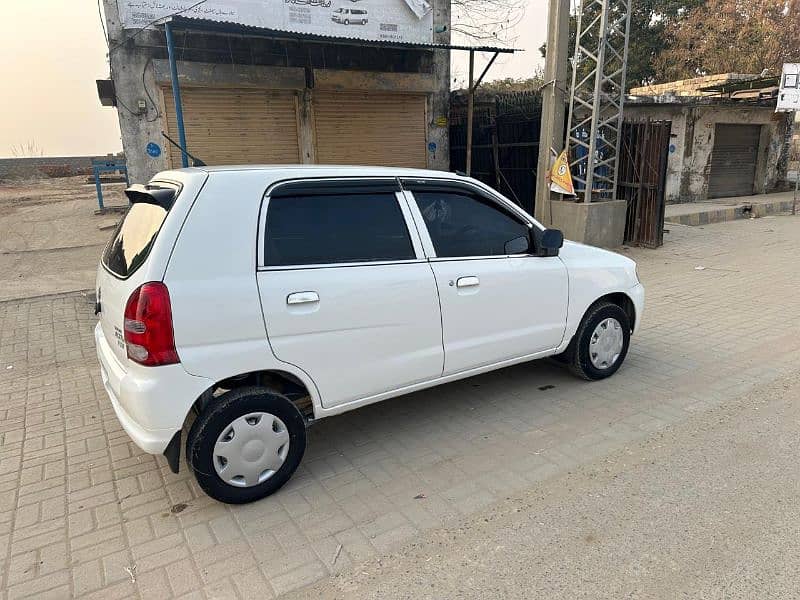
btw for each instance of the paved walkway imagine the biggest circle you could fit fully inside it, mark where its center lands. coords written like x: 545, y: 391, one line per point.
x: 705, y: 509
x: 84, y: 513
x: 729, y: 209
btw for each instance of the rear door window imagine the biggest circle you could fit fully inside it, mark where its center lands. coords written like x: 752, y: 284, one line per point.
x: 310, y: 229
x: 133, y: 238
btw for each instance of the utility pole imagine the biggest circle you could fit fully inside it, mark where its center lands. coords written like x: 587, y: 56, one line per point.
x: 470, y: 109
x: 554, y: 96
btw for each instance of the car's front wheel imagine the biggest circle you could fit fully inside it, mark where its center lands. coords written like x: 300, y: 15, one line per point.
x: 601, y: 343
x: 246, y: 444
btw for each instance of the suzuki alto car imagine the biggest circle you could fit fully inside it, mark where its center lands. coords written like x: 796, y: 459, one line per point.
x: 242, y: 303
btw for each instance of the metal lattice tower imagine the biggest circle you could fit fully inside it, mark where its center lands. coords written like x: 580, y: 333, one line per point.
x: 597, y: 96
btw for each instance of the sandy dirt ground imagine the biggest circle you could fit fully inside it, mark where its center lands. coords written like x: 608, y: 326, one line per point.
x: 50, y: 236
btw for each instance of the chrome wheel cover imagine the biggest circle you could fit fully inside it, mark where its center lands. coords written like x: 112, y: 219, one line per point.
x: 605, y: 345
x: 251, y: 449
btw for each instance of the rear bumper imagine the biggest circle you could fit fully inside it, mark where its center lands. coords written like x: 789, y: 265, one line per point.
x: 151, y: 403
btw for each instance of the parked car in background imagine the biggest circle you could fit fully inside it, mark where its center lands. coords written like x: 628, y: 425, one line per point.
x: 247, y: 302
x: 348, y: 16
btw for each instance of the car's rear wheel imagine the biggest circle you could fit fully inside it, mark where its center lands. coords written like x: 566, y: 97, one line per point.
x: 601, y: 343
x: 246, y: 444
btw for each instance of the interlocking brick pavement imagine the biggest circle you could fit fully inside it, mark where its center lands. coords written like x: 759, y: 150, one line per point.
x: 84, y: 513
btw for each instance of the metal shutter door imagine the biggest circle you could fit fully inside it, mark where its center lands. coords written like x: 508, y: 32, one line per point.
x: 235, y: 126
x: 369, y: 128
x: 733, y: 160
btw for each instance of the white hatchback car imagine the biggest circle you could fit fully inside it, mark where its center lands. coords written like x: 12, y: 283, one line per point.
x: 250, y: 301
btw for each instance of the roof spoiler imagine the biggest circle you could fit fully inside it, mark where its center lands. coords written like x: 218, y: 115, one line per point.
x: 160, y: 196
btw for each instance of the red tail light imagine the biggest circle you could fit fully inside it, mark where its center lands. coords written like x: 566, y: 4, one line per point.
x: 149, y: 338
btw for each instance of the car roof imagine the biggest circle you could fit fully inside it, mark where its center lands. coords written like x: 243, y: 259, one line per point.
x: 274, y: 173
x: 326, y: 171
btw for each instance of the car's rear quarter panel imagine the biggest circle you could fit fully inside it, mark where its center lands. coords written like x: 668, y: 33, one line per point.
x: 216, y: 309
x: 131, y: 386
x: 114, y: 291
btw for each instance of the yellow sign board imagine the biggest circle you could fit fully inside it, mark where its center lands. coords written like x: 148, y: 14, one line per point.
x: 560, y: 176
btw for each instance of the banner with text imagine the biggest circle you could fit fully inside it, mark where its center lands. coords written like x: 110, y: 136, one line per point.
x: 384, y: 20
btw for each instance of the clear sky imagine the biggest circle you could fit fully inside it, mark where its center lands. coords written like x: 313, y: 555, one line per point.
x: 52, y: 51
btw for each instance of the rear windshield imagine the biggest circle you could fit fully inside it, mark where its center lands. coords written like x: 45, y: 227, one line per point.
x: 133, y: 238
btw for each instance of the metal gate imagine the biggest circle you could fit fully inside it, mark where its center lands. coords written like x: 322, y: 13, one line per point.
x: 505, y: 143
x: 642, y: 172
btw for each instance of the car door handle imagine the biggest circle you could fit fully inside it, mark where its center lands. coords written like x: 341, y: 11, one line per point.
x: 470, y: 281
x: 302, y: 298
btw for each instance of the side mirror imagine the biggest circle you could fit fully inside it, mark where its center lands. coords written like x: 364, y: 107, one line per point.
x: 550, y: 242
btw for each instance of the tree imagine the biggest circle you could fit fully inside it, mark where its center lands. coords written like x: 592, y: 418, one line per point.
x: 487, y: 19
x: 511, y: 84
x: 732, y: 36
x: 651, y: 22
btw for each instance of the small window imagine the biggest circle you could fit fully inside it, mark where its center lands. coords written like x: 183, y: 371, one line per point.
x: 329, y: 229
x: 465, y: 225
x: 133, y: 238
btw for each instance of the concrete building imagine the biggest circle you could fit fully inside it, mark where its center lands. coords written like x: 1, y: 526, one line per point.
x: 726, y: 138
x: 257, y: 95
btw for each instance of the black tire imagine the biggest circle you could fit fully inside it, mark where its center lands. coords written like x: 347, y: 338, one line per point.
x: 577, y: 354
x: 363, y: 21
x: 218, y: 415
x: 347, y: 21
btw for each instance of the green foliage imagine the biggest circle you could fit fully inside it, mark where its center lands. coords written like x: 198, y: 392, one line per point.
x: 511, y: 84
x: 731, y: 36
x: 651, y: 24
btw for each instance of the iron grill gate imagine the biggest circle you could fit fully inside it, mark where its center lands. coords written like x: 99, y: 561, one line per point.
x: 505, y: 143
x: 642, y: 171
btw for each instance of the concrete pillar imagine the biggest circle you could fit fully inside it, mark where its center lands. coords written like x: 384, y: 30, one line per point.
x: 305, y: 125
x: 553, y: 103
x: 438, y: 105
x: 132, y: 72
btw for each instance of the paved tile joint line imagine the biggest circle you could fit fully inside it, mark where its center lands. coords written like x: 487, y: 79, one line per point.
x: 84, y: 513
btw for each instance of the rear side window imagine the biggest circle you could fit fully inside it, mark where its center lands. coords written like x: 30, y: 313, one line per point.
x: 133, y: 238
x: 328, y: 229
